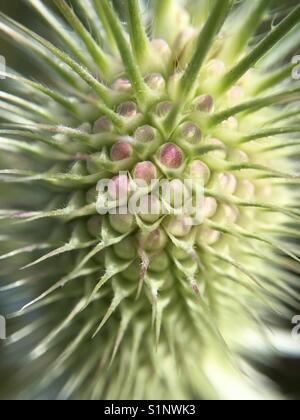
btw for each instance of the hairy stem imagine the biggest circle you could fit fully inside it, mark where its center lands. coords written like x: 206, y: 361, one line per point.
x: 139, y: 40
x: 260, y: 50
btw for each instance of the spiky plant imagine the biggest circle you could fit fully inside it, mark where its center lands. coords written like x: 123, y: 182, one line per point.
x: 147, y: 306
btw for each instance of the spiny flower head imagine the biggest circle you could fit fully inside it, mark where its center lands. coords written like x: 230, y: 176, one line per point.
x: 146, y: 304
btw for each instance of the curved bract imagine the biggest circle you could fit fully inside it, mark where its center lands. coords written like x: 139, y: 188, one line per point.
x: 147, y: 304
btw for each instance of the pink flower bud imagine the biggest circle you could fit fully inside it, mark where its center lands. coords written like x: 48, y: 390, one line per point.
x: 154, y: 241
x: 178, y: 226
x: 246, y: 189
x: 103, y: 125
x: 159, y: 262
x: 176, y: 193
x: 145, y: 171
x: 145, y: 134
x: 171, y: 156
x: 208, y: 236
x: 150, y: 208
x: 218, y: 153
x: 232, y: 123
x: 238, y: 156
x: 128, y: 109
x: 118, y: 188
x: 190, y: 132
x: 161, y: 48
x: 163, y: 109
x: 122, y: 223
x: 122, y: 85
x: 210, y: 207
x: 227, y: 183
x: 204, y: 103
x: 227, y: 214
x: 199, y: 170
x: 85, y: 128
x: 235, y: 94
x: 216, y: 67
x: 155, y: 81
x: 183, y: 39
x: 126, y: 249
x: 231, y: 213
x: 120, y: 151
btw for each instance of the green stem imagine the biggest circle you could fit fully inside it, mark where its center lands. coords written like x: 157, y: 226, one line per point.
x: 283, y: 145
x: 284, y: 116
x: 54, y: 21
x: 273, y: 79
x: 50, y: 141
x: 115, y: 118
x: 252, y: 204
x: 246, y: 28
x: 205, y: 40
x: 284, y: 49
x: 139, y: 40
x: 162, y: 8
x: 172, y: 119
x: 88, y: 12
x: 94, y: 49
x: 132, y: 69
x: 32, y: 107
x: 270, y: 132
x: 260, y: 50
x: 102, y: 91
x: 60, y: 99
x: 17, y: 36
x: 266, y: 172
x: 107, y: 29
x: 255, y: 104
